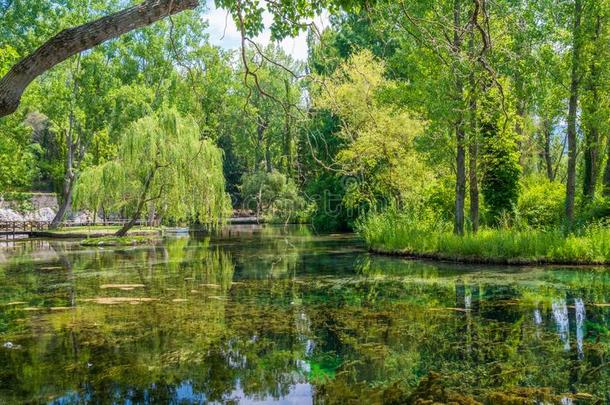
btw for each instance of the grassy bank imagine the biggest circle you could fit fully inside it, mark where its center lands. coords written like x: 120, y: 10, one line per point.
x: 396, y: 234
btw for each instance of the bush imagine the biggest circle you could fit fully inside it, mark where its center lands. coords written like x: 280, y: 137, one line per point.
x: 330, y: 214
x: 499, y: 157
x: 596, y: 211
x: 274, y: 195
x: 541, y: 203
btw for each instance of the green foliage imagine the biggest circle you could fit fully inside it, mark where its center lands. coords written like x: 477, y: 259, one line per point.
x: 17, y: 157
x: 274, y: 195
x: 500, y: 160
x: 328, y: 191
x: 379, y: 156
x: 403, y: 234
x: 541, y: 202
x: 163, y: 166
x: 8, y: 57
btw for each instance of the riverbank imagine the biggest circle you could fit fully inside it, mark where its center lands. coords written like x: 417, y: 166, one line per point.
x: 403, y: 237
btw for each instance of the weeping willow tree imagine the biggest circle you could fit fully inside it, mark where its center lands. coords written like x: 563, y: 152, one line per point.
x: 163, y: 168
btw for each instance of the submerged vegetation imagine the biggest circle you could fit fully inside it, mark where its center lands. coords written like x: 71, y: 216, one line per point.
x: 465, y: 130
x: 222, y: 318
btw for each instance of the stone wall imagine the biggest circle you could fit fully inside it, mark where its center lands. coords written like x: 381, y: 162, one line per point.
x: 45, y: 200
x: 38, y: 200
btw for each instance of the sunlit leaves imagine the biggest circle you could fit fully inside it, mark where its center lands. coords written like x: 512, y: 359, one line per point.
x: 380, y: 155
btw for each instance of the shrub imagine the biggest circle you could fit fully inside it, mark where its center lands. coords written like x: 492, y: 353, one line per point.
x: 541, y: 202
x: 274, y: 195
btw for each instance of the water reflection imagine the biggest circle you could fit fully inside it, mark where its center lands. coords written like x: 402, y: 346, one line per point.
x: 560, y: 313
x: 261, y: 314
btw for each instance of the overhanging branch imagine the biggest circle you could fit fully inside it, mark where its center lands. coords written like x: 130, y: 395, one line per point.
x: 75, y: 40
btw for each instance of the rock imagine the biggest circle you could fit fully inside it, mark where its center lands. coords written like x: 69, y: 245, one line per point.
x: 11, y: 346
x: 8, y: 215
x: 84, y: 217
x: 45, y: 214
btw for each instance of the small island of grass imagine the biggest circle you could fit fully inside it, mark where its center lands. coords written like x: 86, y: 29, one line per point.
x: 117, y: 241
x: 95, y: 231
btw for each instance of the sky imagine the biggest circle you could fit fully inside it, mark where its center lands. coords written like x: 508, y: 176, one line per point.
x: 223, y: 32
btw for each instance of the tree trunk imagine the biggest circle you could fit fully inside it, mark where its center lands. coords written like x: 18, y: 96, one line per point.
x: 473, y: 180
x: 287, y: 144
x: 606, y: 189
x: 473, y: 146
x: 260, y: 132
x: 460, y: 183
x: 591, y: 162
x: 138, y: 213
x: 70, y: 175
x: 591, y: 147
x: 268, y: 163
x: 521, y: 110
x: 573, y: 105
x: 75, y: 40
x: 548, y: 159
x: 66, y: 202
x: 151, y: 216
x: 522, y: 52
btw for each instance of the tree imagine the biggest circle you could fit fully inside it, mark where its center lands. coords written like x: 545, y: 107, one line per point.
x: 164, y: 167
x: 272, y: 193
x: 75, y: 40
x: 572, y: 107
x: 595, y: 104
x: 499, y: 159
x: 379, y: 157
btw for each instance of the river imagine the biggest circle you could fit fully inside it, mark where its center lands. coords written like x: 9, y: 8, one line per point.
x: 263, y: 314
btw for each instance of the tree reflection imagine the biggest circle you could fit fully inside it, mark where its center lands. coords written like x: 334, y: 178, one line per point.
x: 264, y: 316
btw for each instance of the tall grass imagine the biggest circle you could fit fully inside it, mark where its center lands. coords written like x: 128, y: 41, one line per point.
x: 392, y: 232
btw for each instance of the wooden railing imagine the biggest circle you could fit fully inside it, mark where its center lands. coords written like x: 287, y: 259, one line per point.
x: 12, y: 228
x: 22, y: 227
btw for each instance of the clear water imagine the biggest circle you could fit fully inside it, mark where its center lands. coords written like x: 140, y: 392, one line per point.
x: 271, y: 315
